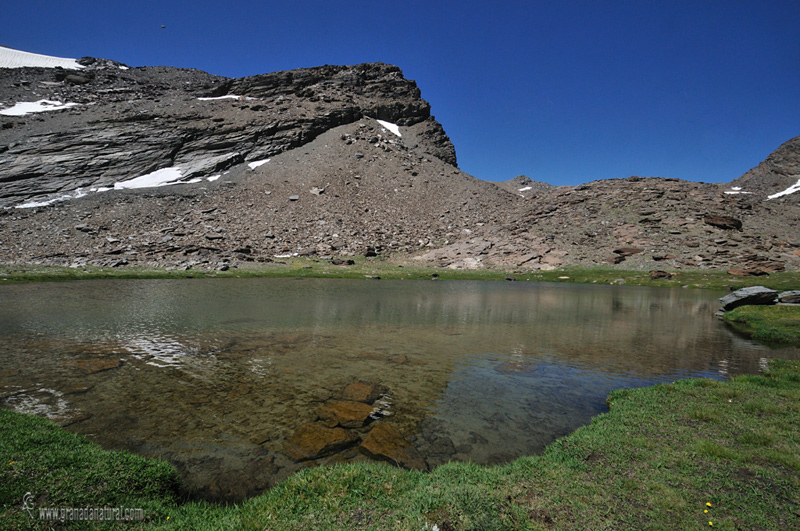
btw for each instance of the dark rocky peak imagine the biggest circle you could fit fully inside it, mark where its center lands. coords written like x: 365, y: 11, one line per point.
x: 377, y: 90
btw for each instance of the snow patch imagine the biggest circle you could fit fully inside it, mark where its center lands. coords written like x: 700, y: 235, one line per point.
x: 63, y: 197
x: 228, y: 97
x: 394, y: 128
x: 10, y: 58
x: 27, y: 107
x: 213, y: 178
x: 526, y: 188
x: 792, y: 189
x: 256, y: 163
x: 161, y: 177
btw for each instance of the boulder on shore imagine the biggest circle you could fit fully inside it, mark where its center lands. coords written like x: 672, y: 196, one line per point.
x: 789, y: 297
x: 753, y: 295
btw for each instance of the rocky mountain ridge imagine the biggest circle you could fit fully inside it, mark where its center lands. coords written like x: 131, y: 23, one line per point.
x: 128, y: 122
x: 330, y: 162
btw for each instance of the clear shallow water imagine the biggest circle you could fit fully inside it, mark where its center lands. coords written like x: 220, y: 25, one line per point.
x: 215, y: 375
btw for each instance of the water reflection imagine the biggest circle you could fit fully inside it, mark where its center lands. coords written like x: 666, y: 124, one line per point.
x: 217, y: 375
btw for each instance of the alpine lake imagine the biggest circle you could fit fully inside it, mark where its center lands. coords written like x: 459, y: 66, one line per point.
x: 241, y: 382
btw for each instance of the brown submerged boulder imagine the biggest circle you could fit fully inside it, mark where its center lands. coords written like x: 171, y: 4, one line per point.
x: 387, y: 443
x: 345, y: 413
x: 366, y: 392
x: 315, y: 440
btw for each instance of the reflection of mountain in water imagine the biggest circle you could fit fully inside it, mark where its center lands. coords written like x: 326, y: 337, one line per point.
x: 213, y: 374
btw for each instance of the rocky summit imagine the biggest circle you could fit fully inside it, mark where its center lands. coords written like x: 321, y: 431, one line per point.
x: 110, y: 165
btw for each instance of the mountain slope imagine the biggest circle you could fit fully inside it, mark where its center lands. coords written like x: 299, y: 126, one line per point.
x: 330, y: 161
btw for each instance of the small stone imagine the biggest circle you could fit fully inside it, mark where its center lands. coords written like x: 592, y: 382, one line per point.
x: 294, y: 198
x: 627, y: 251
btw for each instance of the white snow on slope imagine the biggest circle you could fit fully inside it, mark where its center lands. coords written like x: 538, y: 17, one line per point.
x: 10, y: 58
x: 394, y: 128
x: 256, y: 163
x: 64, y: 197
x: 228, y: 97
x: 27, y: 107
x: 792, y: 189
x: 160, y: 177
x: 526, y: 188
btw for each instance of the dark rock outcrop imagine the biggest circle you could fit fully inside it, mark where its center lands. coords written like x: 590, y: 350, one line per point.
x: 134, y: 121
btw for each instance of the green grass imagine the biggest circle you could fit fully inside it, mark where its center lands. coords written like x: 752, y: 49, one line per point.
x: 389, y: 269
x: 769, y: 324
x: 61, y: 469
x: 657, y: 460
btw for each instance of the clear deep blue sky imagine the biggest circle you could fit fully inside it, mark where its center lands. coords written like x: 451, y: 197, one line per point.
x: 563, y: 92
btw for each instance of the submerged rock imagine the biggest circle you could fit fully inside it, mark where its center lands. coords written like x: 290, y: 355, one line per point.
x: 363, y: 392
x: 345, y: 413
x: 314, y: 440
x: 93, y: 365
x: 387, y: 443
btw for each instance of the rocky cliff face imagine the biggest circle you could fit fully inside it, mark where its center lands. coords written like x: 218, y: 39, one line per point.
x: 128, y: 122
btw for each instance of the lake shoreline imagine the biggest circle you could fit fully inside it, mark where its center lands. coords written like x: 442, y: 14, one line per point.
x: 377, y: 269
x: 671, y: 456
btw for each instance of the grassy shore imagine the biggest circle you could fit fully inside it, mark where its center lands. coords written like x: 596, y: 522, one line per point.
x: 768, y: 324
x: 686, y: 455
x: 408, y: 269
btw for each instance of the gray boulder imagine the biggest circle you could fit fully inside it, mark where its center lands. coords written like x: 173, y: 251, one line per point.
x: 754, y: 295
x: 789, y: 297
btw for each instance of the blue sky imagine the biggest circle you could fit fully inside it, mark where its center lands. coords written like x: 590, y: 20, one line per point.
x: 563, y: 92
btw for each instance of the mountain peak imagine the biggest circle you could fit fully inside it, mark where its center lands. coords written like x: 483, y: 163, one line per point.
x: 779, y: 171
